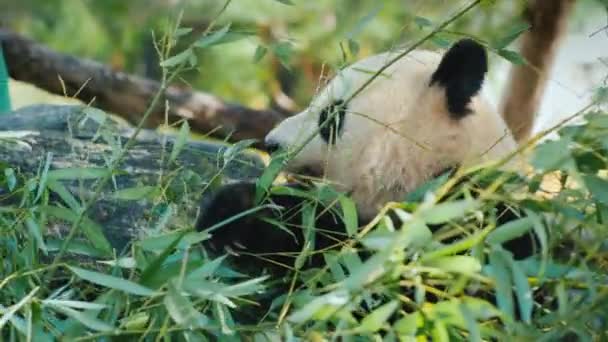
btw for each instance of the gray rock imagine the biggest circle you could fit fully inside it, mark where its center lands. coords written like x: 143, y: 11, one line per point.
x: 79, y: 137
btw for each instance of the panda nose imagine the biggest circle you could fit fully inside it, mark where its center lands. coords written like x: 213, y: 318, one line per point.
x: 271, y: 145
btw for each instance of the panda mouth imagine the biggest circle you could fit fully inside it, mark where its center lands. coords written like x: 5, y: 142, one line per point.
x: 305, y: 173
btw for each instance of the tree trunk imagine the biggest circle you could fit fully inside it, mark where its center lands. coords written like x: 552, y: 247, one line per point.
x: 549, y: 19
x: 128, y: 95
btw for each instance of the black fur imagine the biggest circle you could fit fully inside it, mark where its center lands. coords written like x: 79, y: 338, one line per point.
x: 331, y: 130
x: 279, y: 246
x: 261, y: 245
x: 461, y: 72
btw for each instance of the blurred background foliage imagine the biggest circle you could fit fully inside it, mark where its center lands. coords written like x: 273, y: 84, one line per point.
x: 300, y: 42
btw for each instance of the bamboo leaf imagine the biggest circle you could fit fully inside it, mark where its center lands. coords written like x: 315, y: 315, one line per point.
x: 112, y: 282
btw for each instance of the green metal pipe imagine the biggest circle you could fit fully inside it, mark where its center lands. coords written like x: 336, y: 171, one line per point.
x: 5, y: 101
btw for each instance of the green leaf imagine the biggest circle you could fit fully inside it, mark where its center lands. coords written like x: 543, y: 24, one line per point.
x: 79, y: 173
x: 260, y: 52
x: 88, y: 321
x: 94, y: 233
x: 37, y: 321
x: 374, y: 321
x: 178, y: 59
x: 408, y: 325
x: 207, y: 270
x: 364, y: 21
x: 422, y: 22
x: 136, y: 321
x: 372, y: 269
x: 378, y: 239
x: 10, y: 312
x: 270, y: 173
x: 11, y: 180
x: 135, y: 193
x: 502, y: 281
x: 44, y: 176
x: 471, y: 323
x: 181, y: 309
x: 34, y: 229
x: 286, y: 2
x: 60, y: 213
x: 512, y: 33
x: 455, y: 247
x: 445, y: 212
x: 222, y: 315
x: 308, y: 225
x: 209, y: 291
x: 334, y: 266
x: 173, y: 268
x: 441, y: 42
x: 244, y: 288
x: 522, y: 291
x: 95, y: 114
x: 213, y: 38
x: 320, y: 308
x: 233, y: 151
x: 180, y: 141
x: 509, y: 231
x: 597, y: 186
x: 456, y: 264
x: 58, y: 188
x: 124, y: 262
x: 283, y: 51
x: 440, y: 332
x: 182, y: 31
x: 160, y: 242
x: 155, y: 265
x: 111, y: 282
x: 553, y: 155
x: 349, y: 210
x: 541, y: 234
x: 75, y: 304
x: 91, y: 230
x: 76, y: 247
x: 417, y: 234
x: 601, y: 95
x: 512, y: 56
x: 353, y: 47
x: 430, y: 186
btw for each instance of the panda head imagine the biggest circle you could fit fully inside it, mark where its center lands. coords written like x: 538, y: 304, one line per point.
x: 421, y: 115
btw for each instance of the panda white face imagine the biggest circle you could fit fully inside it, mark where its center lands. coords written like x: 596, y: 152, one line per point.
x: 419, y: 117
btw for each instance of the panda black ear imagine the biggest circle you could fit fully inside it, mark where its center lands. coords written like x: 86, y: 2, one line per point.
x: 461, y: 73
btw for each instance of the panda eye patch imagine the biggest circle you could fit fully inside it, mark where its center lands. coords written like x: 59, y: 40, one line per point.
x: 335, y: 112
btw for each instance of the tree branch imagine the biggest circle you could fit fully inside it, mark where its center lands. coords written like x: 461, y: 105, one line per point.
x: 127, y: 95
x: 549, y: 19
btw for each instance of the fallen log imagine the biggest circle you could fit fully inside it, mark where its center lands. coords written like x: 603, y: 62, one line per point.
x: 129, y: 96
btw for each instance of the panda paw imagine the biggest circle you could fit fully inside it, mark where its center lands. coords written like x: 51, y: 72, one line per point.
x: 218, y: 210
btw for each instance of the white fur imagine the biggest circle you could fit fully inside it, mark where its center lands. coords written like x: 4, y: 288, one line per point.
x: 378, y: 157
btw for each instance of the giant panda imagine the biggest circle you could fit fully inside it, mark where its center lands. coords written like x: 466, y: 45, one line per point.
x: 422, y: 116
